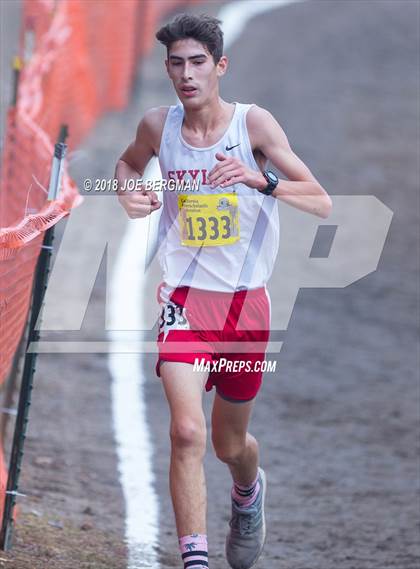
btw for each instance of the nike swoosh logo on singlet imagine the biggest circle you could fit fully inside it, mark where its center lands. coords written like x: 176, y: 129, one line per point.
x: 230, y: 147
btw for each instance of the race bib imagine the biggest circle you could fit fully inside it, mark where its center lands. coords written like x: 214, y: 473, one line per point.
x: 172, y: 317
x: 211, y: 219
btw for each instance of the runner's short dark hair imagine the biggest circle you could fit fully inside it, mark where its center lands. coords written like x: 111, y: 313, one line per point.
x: 203, y: 28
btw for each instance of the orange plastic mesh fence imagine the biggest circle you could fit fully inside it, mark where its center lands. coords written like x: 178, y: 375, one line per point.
x: 79, y: 59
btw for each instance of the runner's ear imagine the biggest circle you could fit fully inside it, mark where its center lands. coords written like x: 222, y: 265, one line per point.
x: 222, y: 66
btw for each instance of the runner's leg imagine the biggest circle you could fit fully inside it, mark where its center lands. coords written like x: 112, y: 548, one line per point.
x: 232, y: 443
x: 239, y: 450
x: 184, y: 390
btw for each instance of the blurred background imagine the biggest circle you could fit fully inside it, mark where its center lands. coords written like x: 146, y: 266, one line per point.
x: 338, y: 423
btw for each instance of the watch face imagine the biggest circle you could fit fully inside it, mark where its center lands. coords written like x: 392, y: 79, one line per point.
x: 272, y: 177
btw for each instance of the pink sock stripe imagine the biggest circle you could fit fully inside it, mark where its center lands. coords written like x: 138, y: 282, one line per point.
x: 246, y: 501
x: 194, y: 548
x: 197, y: 558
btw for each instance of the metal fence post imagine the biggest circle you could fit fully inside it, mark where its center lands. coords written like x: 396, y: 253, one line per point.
x: 40, y: 284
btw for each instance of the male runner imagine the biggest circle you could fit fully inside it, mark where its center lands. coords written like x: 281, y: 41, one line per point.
x: 217, y: 248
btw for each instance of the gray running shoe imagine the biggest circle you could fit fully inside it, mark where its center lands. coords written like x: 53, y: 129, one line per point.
x: 246, y: 538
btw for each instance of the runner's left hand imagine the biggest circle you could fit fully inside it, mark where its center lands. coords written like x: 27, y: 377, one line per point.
x: 230, y: 170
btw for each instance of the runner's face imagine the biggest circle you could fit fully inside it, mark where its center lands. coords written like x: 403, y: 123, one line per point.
x: 193, y: 72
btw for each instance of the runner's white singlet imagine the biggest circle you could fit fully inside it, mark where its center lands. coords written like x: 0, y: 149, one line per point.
x: 246, y: 263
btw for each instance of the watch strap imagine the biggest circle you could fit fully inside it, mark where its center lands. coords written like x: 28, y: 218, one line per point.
x: 271, y: 184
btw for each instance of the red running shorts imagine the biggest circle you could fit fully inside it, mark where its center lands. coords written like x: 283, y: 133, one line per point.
x: 198, y: 325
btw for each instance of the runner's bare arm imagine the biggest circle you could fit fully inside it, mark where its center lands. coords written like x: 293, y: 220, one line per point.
x: 131, y: 165
x: 301, y: 190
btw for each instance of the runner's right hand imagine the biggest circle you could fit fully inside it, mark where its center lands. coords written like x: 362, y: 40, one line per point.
x: 139, y: 203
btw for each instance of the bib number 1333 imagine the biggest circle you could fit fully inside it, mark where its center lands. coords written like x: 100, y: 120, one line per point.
x: 208, y: 220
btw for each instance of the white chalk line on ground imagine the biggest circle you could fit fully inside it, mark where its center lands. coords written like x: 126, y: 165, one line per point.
x: 127, y: 289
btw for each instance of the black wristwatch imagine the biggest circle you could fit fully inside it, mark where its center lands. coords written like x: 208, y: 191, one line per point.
x: 272, y: 182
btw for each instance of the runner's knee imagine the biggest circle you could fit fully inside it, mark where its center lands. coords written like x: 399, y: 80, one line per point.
x: 229, y: 453
x: 188, y: 434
